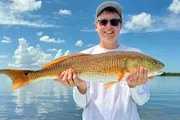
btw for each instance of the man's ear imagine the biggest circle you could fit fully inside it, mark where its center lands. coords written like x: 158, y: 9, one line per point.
x: 95, y: 26
x: 120, y: 26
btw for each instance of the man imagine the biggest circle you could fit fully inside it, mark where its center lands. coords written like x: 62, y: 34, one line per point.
x: 119, y: 101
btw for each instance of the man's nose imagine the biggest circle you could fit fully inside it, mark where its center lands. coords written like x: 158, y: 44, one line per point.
x: 108, y: 24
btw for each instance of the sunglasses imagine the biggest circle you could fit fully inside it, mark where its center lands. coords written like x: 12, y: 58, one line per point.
x: 114, y: 22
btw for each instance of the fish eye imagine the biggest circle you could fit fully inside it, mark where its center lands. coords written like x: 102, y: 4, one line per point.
x: 155, y: 62
x: 26, y: 73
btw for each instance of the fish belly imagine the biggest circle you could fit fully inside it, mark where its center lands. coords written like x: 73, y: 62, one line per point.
x: 93, y: 77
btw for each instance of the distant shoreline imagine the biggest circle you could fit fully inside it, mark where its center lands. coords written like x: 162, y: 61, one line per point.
x: 169, y: 74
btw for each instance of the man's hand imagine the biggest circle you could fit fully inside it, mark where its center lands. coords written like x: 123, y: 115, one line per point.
x: 138, y: 77
x: 70, y: 79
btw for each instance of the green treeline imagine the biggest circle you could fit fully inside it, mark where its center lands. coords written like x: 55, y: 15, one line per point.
x: 170, y: 74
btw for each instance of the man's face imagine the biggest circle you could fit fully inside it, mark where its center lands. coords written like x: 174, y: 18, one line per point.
x: 108, y: 33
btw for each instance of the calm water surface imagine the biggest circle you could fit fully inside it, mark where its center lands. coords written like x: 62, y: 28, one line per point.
x: 48, y: 100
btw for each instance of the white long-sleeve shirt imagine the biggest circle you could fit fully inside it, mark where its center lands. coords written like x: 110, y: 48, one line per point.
x: 116, y: 103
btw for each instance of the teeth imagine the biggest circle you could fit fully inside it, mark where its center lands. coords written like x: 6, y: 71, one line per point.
x: 109, y: 32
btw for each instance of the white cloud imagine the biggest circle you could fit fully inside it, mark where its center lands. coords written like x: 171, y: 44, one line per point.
x: 6, y: 40
x: 28, y: 56
x: 146, y: 23
x: 90, y: 45
x: 124, y: 30
x: 11, y: 15
x: 79, y: 43
x: 139, y: 22
x: 175, y: 7
x: 65, y: 12
x: 39, y: 33
x: 3, y: 56
x: 67, y: 53
x: 51, y: 40
x: 60, y: 53
x: 169, y: 22
x: 53, y: 49
x: 25, y: 5
x: 88, y: 30
x: 21, y: 22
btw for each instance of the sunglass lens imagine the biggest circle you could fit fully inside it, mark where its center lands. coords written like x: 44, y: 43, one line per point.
x: 114, y: 22
x: 103, y: 22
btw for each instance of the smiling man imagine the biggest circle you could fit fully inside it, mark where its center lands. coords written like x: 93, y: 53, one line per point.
x: 119, y: 101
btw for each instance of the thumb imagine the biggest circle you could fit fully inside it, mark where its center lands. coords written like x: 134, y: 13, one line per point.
x: 129, y: 78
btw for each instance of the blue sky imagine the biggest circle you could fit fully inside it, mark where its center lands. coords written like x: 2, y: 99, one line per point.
x: 34, y: 32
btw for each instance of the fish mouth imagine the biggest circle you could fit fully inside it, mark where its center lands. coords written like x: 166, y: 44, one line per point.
x: 155, y: 73
x: 160, y: 72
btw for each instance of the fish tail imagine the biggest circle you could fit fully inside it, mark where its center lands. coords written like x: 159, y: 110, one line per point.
x: 17, y: 77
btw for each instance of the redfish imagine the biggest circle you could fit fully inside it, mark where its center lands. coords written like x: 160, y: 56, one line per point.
x: 110, y: 68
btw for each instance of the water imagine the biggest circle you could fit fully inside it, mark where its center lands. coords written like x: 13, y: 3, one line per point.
x: 48, y: 100
x: 164, y: 103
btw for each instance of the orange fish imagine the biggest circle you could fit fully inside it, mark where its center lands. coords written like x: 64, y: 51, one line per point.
x: 110, y: 68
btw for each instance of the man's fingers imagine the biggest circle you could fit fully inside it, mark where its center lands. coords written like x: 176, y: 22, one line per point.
x: 145, y: 75
x: 140, y: 76
x: 134, y: 77
x: 75, y: 78
x: 60, y: 77
x: 64, y: 79
x: 70, y: 78
x: 65, y: 76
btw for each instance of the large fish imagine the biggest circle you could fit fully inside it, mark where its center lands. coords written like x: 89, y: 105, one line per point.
x: 110, y: 68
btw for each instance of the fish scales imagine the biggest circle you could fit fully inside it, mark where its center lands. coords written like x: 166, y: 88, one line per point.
x: 105, y: 67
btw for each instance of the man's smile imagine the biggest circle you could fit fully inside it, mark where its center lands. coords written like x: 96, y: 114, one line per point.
x: 109, y: 32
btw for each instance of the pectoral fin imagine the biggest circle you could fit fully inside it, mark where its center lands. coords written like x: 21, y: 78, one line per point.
x: 108, y: 85
x: 121, y: 76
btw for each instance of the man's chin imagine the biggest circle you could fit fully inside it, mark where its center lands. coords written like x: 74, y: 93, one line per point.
x: 109, y: 40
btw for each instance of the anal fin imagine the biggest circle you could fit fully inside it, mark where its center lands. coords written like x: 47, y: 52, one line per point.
x: 109, y: 84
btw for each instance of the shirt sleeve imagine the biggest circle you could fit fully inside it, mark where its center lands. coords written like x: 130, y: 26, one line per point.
x: 81, y: 100
x: 140, y: 94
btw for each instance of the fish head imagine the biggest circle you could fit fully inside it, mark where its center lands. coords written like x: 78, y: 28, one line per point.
x: 153, y: 65
x: 138, y: 59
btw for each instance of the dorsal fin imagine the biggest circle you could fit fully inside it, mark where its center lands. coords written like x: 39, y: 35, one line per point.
x: 62, y: 58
